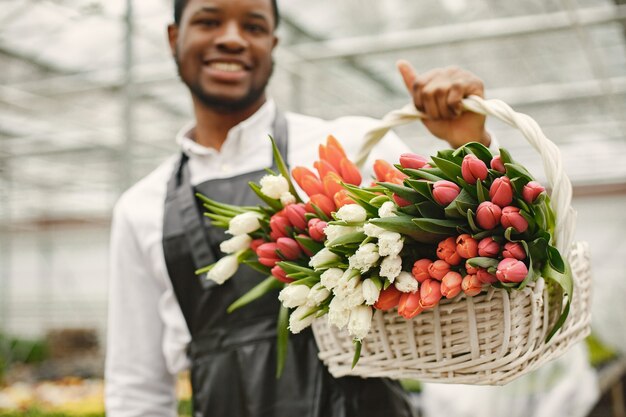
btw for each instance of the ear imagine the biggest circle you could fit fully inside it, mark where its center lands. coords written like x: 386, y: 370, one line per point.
x: 275, y: 42
x: 172, y: 35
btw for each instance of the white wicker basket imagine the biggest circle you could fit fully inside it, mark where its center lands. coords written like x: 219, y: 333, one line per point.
x: 489, y: 339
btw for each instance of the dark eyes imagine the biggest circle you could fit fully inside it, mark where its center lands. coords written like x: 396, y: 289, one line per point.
x: 253, y: 28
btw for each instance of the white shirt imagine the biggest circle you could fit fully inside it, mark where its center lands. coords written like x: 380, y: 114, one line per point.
x: 147, y: 333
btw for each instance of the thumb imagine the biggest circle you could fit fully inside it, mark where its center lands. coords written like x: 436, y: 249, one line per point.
x: 408, y: 73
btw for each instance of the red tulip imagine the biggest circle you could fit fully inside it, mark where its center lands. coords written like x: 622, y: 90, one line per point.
x: 409, y: 305
x: 470, y: 269
x: 511, y: 270
x: 267, y: 254
x: 531, y: 191
x: 279, y: 225
x: 471, y: 285
x: 451, y: 284
x: 511, y: 217
x: 497, y: 164
x: 514, y: 250
x: 485, y: 277
x: 438, y: 269
x: 501, y: 191
x: 444, y: 192
x: 349, y: 172
x: 430, y: 293
x: 446, y: 250
x: 401, y: 202
x: 322, y: 202
x: 316, y: 229
x: 420, y: 269
x: 289, y: 248
x: 488, y: 247
x: 466, y: 246
x: 413, y: 161
x: 304, y: 249
x: 388, y: 299
x: 281, y: 275
x: 488, y: 215
x: 295, y: 213
x: 473, y: 169
x: 255, y: 244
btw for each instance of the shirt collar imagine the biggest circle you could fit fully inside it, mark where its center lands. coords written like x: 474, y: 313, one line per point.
x: 239, y: 136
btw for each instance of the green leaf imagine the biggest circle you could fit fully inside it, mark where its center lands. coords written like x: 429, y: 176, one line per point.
x: 472, y: 224
x: 478, y: 149
x: 257, y: 266
x: 282, y: 330
x: 450, y: 169
x: 411, y: 210
x: 273, y: 203
x: 379, y: 200
x: 514, y: 171
x: 310, y: 244
x: 236, y: 209
x: 359, y: 192
x: 445, y: 227
x: 267, y: 285
x: 422, y: 187
x: 461, y: 204
x: 405, y: 226
x: 481, y: 192
x: 449, y: 155
x: 419, y: 173
x: 204, y: 270
x: 282, y: 168
x: 564, y: 279
x: 291, y: 268
x: 505, y: 156
x: 429, y: 209
x: 483, y: 262
x: 357, y: 353
x: 356, y: 237
x: 402, y: 191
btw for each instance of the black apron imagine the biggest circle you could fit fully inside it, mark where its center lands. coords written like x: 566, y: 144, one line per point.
x: 233, y: 356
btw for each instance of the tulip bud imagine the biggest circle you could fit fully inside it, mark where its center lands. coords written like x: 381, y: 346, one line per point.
x: 279, y: 225
x: 223, y: 269
x: 293, y: 295
x: 388, y: 209
x: 446, y: 250
x: 322, y: 202
x: 342, y: 198
x: 430, y: 293
x: 349, y: 172
x: 382, y: 170
x: 267, y: 250
x: 364, y: 258
x: 409, y: 305
x: 274, y: 185
x: 332, y: 184
x: 324, y: 168
x: 488, y: 215
x: 300, y: 319
x: 466, y: 246
x: 296, y: 215
x: 243, y: 223
x: 370, y: 292
x: 311, y: 186
x: 471, y: 285
x: 514, y: 250
x: 254, y: 245
x: 352, y: 213
x: 413, y: 161
x: 406, y: 282
x: 485, y: 277
x: 501, y: 192
x: 338, y: 314
x: 331, y: 155
x: 280, y: 274
x: 421, y: 269
x: 318, y: 294
x: 497, y: 164
x: 299, y: 173
x: 322, y: 258
x: 511, y: 217
x: 316, y: 229
x: 388, y: 298
x: 390, y: 267
x: 531, y: 191
x: 470, y: 269
x: 360, y: 322
x: 372, y: 230
x: 451, y: 284
x: 287, y: 198
x: 289, y: 248
x: 330, y: 278
x: 444, y: 192
x: 332, y: 142
x: 488, y: 247
x: 438, y: 269
x: 236, y: 243
x: 511, y: 270
x: 473, y: 169
x: 401, y: 202
x: 390, y: 243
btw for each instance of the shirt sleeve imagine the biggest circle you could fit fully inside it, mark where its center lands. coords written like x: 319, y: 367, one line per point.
x: 138, y: 382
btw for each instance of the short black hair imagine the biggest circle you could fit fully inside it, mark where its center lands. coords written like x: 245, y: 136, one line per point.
x: 179, y: 6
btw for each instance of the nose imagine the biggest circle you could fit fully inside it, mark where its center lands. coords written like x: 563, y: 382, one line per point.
x: 231, y: 39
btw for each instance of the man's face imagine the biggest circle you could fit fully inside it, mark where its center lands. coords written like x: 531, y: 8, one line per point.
x: 223, y: 50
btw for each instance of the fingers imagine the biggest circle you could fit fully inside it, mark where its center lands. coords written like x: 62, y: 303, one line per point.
x: 439, y: 92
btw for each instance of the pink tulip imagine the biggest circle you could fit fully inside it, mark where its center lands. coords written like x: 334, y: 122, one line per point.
x: 488, y: 247
x: 438, y: 269
x: 451, y: 284
x: 289, y: 248
x: 254, y: 245
x: 471, y: 285
x: 511, y: 270
x: 430, y: 293
x: 473, y: 169
x: 531, y: 191
x: 295, y: 213
x: 446, y: 250
x: 304, y: 249
x: 488, y: 215
x: 316, y: 229
x: 420, y: 269
x: 501, y: 192
x: 485, y: 277
x: 466, y: 246
x: 514, y: 250
x: 267, y: 254
x: 281, y: 275
x: 470, y: 269
x: 409, y: 304
x: 444, y: 192
x: 279, y: 225
x: 401, y: 201
x: 388, y: 299
x: 497, y: 165
x: 413, y: 161
x: 511, y: 217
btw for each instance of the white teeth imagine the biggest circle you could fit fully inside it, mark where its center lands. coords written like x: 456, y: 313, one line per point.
x: 227, y: 66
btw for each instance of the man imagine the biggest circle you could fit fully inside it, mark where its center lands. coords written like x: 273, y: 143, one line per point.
x: 162, y: 318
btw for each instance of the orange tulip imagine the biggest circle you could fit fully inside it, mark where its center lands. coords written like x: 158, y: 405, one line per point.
x: 332, y: 184
x: 349, y: 172
x: 430, y: 293
x: 342, y: 198
x: 322, y: 202
x: 409, y: 305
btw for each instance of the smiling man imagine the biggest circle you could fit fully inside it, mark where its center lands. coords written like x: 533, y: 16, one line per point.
x: 162, y: 318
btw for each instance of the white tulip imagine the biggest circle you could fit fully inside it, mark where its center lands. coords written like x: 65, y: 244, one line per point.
x: 236, y: 244
x: 372, y: 230
x: 244, y: 223
x: 352, y: 213
x: 338, y: 314
x: 355, y: 297
x: 387, y: 210
x: 370, y: 292
x: 293, y: 295
x: 274, y: 186
x: 223, y: 269
x: 317, y: 295
x: 390, y: 267
x: 330, y: 277
x: 390, y: 243
x: 287, y: 198
x: 297, y: 319
x: 333, y: 231
x: 405, y: 282
x: 322, y: 258
x: 365, y: 257
x: 360, y: 322
x: 346, y: 284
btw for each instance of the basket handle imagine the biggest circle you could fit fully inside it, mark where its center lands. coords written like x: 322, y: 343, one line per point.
x: 558, y: 181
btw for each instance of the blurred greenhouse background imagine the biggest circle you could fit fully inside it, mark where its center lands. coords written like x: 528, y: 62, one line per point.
x: 90, y: 102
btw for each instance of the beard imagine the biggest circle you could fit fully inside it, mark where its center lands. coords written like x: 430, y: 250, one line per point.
x: 222, y: 104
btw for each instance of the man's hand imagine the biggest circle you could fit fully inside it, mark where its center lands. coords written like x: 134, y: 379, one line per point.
x: 438, y: 94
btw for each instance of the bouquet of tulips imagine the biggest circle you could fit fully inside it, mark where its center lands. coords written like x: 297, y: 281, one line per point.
x: 449, y: 226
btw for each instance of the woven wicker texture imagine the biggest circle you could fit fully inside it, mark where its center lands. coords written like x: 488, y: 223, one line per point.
x: 489, y: 339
